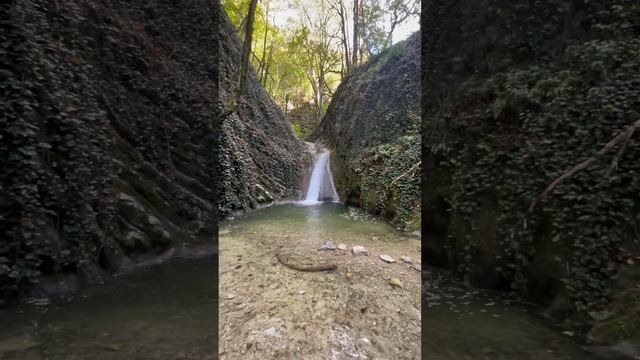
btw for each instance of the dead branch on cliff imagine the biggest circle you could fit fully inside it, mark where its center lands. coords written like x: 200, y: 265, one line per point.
x: 413, y: 168
x: 622, y: 138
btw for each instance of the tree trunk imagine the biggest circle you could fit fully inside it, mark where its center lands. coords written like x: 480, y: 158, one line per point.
x: 286, y: 105
x: 321, y: 96
x: 264, y: 48
x: 267, y: 64
x: 354, y: 61
x: 345, y: 39
x: 246, y: 50
x: 389, y: 40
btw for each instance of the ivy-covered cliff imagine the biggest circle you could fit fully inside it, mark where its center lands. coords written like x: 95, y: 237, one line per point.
x: 260, y: 157
x: 516, y: 94
x: 109, y: 134
x: 372, y: 126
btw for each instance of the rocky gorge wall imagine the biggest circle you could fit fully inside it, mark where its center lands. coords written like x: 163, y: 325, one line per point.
x: 114, y: 135
x: 372, y: 126
x: 516, y: 93
x: 260, y: 159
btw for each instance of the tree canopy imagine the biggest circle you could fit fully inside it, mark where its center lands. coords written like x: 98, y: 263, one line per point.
x: 302, y: 50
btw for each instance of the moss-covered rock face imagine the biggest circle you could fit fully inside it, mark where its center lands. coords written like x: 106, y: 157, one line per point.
x: 108, y: 134
x: 260, y: 157
x: 372, y: 125
x: 516, y: 94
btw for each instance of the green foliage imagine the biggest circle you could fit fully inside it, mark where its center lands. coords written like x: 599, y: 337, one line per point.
x: 372, y: 26
x: 288, y: 55
x: 301, y: 131
x: 510, y: 135
x: 305, y: 60
x: 394, y: 52
x: 390, y: 179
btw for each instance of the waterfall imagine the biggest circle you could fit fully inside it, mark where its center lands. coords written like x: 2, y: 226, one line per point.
x: 321, y: 185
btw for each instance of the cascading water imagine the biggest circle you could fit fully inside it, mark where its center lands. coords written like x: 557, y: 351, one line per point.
x: 321, y: 187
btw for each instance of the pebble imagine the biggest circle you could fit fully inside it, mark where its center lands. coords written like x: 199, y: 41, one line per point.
x: 360, y: 250
x: 395, y: 282
x: 342, y: 246
x: 271, y: 332
x: 406, y: 259
x: 387, y: 258
x: 301, y: 292
x: 329, y: 245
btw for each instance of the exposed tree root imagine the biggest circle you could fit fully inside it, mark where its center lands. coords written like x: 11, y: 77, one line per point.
x: 309, y: 268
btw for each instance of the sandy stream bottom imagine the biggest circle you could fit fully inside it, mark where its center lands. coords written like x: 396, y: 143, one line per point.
x: 269, y: 311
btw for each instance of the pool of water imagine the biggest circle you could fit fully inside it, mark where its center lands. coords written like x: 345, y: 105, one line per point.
x: 164, y: 312
x: 270, y: 311
x: 457, y: 323
x: 463, y: 323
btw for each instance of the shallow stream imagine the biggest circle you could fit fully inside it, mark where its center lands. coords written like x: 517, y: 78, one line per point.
x: 164, y: 312
x: 270, y: 311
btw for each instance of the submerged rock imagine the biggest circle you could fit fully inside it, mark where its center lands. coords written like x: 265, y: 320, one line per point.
x: 359, y: 250
x: 342, y: 246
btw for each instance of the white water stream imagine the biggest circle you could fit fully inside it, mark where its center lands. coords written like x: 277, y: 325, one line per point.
x: 321, y: 187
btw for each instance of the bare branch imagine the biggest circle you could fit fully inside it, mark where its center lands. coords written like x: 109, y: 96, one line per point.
x: 623, y: 136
